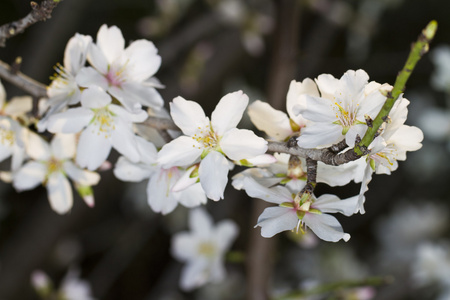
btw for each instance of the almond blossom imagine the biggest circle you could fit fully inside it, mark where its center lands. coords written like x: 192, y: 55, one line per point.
x: 341, y: 110
x: 390, y: 146
x: 161, y: 195
x: 125, y: 73
x: 295, y: 212
x: 103, y: 125
x: 64, y: 90
x: 50, y: 165
x: 211, y: 141
x: 203, y: 249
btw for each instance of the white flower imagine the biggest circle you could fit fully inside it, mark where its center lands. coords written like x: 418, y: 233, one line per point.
x: 211, y: 141
x: 125, y: 73
x: 104, y: 125
x: 51, y: 165
x: 294, y: 212
x: 203, y: 249
x: 390, y: 146
x: 340, y: 112
x: 277, y: 124
x: 12, y: 142
x: 15, y: 107
x: 161, y: 195
x: 64, y: 90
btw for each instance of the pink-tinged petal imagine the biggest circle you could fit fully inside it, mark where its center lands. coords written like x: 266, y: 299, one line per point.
x: 182, y: 151
x: 80, y: 176
x: 111, y: 42
x: 332, y: 204
x: 93, y: 149
x: 63, y: 146
x: 95, y: 97
x: 326, y: 227
x: 143, y: 60
x: 70, y: 121
x: 188, y: 116
x: 228, y: 112
x: 159, y: 196
x: 125, y: 170
x: 75, y: 52
x: 59, y: 193
x: 274, y: 220
x: 29, y: 176
x: 213, y: 173
x: 240, y: 144
x: 320, y: 135
x: 192, y: 196
x: 137, y: 92
x: 327, y: 85
x: 277, y: 195
x: 37, y: 148
x: 273, y: 122
x: 194, y: 274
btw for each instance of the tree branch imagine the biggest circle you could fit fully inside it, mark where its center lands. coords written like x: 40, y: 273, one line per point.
x: 38, y: 13
x: 22, y: 81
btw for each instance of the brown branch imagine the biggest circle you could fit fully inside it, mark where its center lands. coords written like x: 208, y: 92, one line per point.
x: 22, y: 81
x: 38, y: 13
x: 326, y: 155
x: 160, y: 123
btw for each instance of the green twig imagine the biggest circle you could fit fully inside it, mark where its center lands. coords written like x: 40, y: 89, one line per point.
x: 418, y: 49
x: 337, y: 286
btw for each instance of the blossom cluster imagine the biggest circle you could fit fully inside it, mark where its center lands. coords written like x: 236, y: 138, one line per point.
x: 104, y: 89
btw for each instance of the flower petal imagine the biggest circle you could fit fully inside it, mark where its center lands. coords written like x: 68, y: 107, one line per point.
x: 89, y: 76
x: 37, y: 148
x: 70, y: 121
x: 332, y: 204
x: 143, y: 60
x: 63, y: 146
x: 181, y: 151
x: 274, y: 220
x: 273, y: 122
x: 188, y: 115
x: 59, y: 193
x: 200, y: 222
x: 320, y: 135
x: 213, y: 173
x: 111, y: 42
x: 80, y: 176
x: 29, y: 176
x: 278, y: 194
x: 92, y: 149
x: 326, y: 227
x: 125, y: 170
x: 95, y: 97
x: 159, y: 196
x: 228, y: 112
x: 240, y: 144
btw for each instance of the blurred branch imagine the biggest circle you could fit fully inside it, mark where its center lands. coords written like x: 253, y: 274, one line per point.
x: 160, y: 123
x: 38, y: 13
x: 22, y: 81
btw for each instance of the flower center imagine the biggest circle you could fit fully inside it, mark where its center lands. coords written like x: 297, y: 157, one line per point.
x: 116, y: 76
x: 54, y: 165
x: 207, y: 138
x: 346, y: 117
x: 104, y: 121
x: 7, y: 137
x: 206, y: 249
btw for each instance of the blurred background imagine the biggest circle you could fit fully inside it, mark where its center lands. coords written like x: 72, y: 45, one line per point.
x: 210, y: 48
